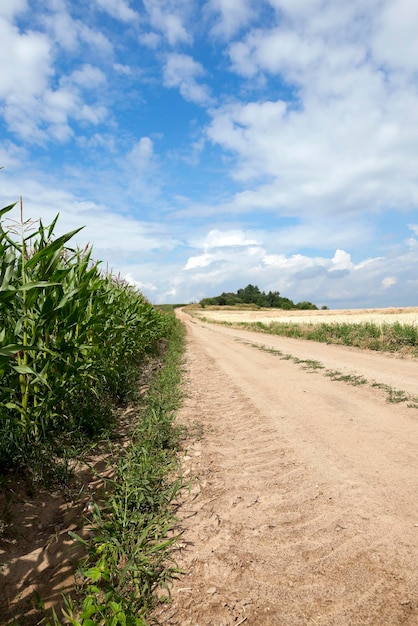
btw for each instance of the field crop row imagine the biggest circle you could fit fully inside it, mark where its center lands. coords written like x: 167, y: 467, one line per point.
x: 70, y: 339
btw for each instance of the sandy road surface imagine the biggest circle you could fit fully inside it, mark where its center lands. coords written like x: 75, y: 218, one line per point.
x: 305, y: 510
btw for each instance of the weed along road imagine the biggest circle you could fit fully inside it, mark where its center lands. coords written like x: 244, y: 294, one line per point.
x: 304, y: 465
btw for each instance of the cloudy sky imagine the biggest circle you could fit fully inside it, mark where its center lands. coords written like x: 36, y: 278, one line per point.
x: 208, y: 144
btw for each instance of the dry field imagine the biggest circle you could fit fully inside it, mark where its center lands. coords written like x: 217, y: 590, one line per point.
x: 352, y: 316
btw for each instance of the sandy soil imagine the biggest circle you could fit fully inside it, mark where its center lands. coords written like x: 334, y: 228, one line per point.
x: 303, y: 506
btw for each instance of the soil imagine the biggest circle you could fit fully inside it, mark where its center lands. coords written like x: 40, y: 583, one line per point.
x: 303, y: 501
x: 38, y: 554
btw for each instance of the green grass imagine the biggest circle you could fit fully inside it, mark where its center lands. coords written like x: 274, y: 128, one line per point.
x: 350, y: 379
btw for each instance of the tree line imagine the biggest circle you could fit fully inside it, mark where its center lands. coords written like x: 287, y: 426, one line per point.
x: 251, y: 294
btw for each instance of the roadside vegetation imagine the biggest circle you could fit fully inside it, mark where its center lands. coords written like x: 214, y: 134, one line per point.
x: 129, y: 554
x: 75, y: 344
x: 396, y: 337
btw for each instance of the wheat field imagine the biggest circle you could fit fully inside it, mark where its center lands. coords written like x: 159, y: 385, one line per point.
x: 406, y: 315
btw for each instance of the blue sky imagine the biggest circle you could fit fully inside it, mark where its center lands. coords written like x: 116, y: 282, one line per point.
x: 205, y: 145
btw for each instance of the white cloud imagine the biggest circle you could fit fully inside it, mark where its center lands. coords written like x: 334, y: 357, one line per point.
x: 345, y: 140
x: 334, y: 280
x: 274, y: 51
x: 26, y: 62
x: 117, y: 238
x: 348, y: 149
x: 231, y: 15
x: 69, y: 33
x: 168, y: 17
x: 150, y: 40
x: 88, y: 77
x: 396, y: 42
x: 95, y: 39
x: 139, y: 284
x: 297, y: 8
x: 126, y: 70
x: 388, y: 281
x: 318, y: 123
x: 140, y: 169
x: 119, y: 9
x: 11, y: 155
x: 141, y: 155
x: 201, y: 260
x: 341, y: 261
x: 62, y: 28
x: 182, y: 71
x: 10, y: 8
x: 32, y: 108
x: 218, y: 239
x: 51, y: 114
x: 219, y: 246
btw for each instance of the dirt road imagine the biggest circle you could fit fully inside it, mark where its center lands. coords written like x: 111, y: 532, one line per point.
x: 304, y: 504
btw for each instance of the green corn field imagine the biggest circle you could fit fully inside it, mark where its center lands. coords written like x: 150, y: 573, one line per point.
x: 70, y: 337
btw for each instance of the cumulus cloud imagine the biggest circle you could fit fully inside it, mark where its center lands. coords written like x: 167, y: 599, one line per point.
x: 351, y: 149
x: 336, y: 279
x: 395, y: 42
x: 221, y: 239
x: 168, y: 17
x: 142, y: 154
x: 222, y: 246
x: 119, y: 9
x: 230, y: 15
x: 341, y: 138
x: 150, y: 40
x: 117, y: 237
x: 120, y: 68
x: 202, y: 260
x: 297, y: 8
x: 33, y: 108
x: 69, y: 33
x: 10, y: 8
x: 139, y: 284
x: 26, y: 62
x: 182, y: 71
x: 388, y: 281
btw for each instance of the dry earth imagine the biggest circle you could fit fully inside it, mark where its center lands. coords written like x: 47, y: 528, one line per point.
x: 303, y: 508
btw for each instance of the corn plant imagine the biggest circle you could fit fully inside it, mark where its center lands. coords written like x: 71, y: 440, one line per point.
x: 68, y: 336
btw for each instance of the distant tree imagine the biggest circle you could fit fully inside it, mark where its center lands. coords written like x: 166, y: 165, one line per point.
x: 251, y: 294
x: 306, y: 306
